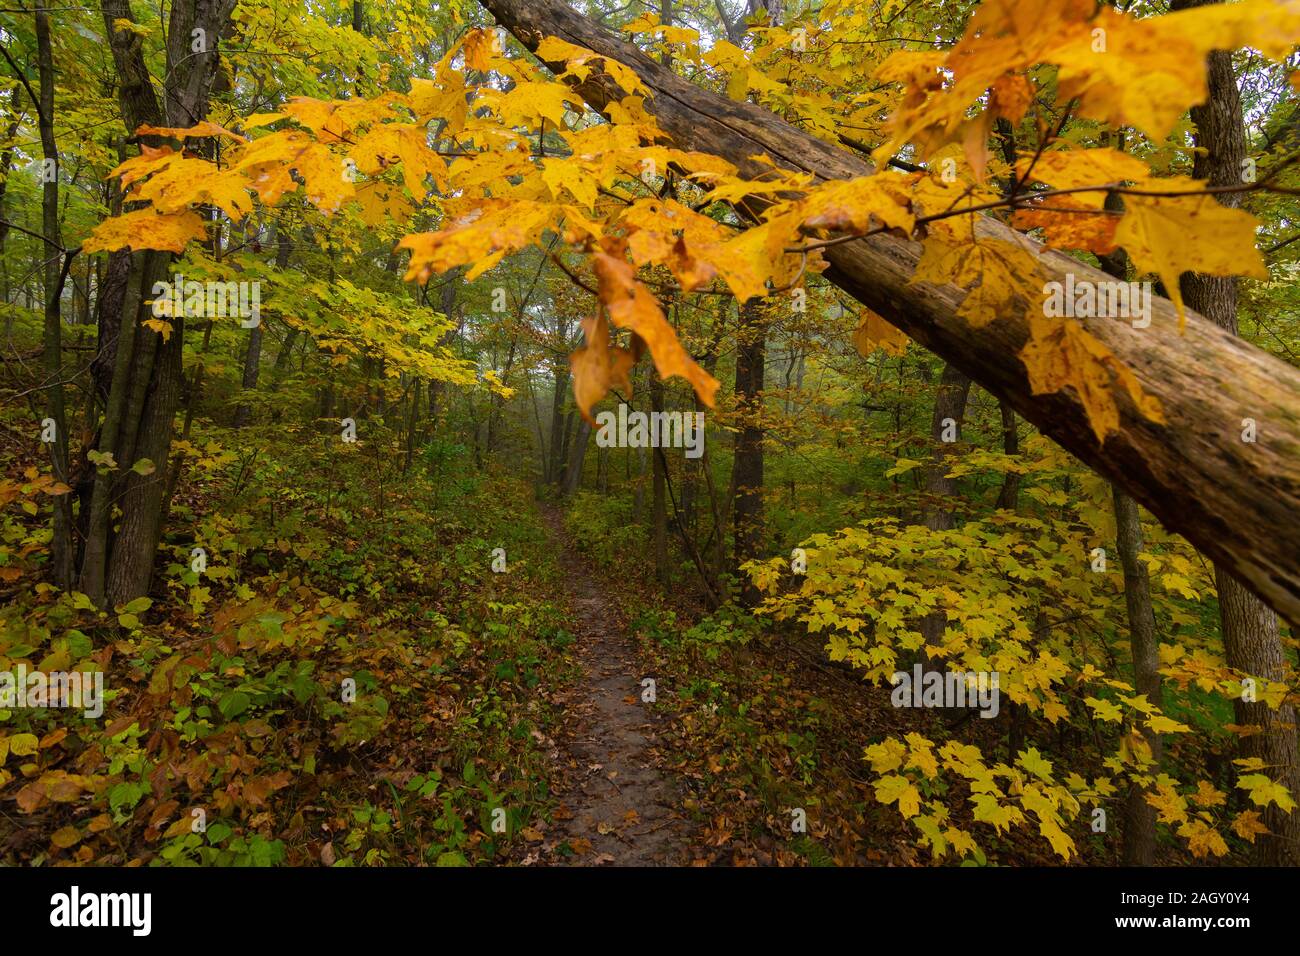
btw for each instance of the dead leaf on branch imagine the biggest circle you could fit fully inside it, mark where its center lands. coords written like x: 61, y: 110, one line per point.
x: 631, y: 306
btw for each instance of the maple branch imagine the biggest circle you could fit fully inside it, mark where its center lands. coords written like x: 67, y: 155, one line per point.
x: 1030, y: 200
x: 1043, y: 141
x: 1281, y: 245
x: 35, y: 235
x: 22, y: 78
x: 572, y: 278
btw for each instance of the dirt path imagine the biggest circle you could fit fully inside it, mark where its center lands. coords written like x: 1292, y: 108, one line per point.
x: 619, y: 807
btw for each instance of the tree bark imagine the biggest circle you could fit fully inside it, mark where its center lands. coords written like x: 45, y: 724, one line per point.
x: 1235, y: 501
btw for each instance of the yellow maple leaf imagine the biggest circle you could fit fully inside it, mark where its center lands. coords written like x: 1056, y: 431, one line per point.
x: 531, y: 101
x: 1161, y: 724
x: 1248, y: 825
x: 480, y: 48
x: 1202, y: 839
x: 1171, y: 235
x: 1132, y: 72
x: 161, y: 326
x: 1073, y: 168
x: 382, y: 203
x: 887, y: 755
x: 1171, y: 807
x: 989, y: 810
x: 875, y: 332
x: 1207, y: 795
x: 1264, y: 790
x: 893, y: 788
x: 444, y: 99
x: 1000, y: 276
x: 1061, y: 842
x: 389, y: 143
x: 1061, y: 353
x: 1062, y: 229
x: 483, y: 235
x: 564, y: 175
x: 855, y: 205
x: 1035, y: 763
x: 555, y: 50
x: 146, y: 229
x: 921, y: 755
x: 1104, y: 709
x: 197, y: 131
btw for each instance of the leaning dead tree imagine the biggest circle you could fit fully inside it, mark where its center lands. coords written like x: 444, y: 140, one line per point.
x: 1238, y: 502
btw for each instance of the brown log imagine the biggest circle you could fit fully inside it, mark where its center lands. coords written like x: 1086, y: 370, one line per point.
x: 1237, y: 502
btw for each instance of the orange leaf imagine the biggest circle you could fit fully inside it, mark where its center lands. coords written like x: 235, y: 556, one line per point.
x: 596, y: 367
x: 631, y: 306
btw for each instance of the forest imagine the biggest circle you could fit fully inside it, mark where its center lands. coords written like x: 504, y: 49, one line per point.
x: 710, y: 433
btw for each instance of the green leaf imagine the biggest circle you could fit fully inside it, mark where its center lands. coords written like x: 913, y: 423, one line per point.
x: 233, y: 704
x: 144, y: 467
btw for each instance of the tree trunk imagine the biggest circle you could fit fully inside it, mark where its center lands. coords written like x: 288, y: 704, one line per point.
x: 1235, y: 501
x: 146, y: 382
x: 945, y: 432
x: 1139, y: 846
x: 253, y: 354
x: 747, y: 472
x: 1009, y: 493
x: 447, y: 306
x: 61, y: 546
x: 573, y: 474
x: 659, y: 492
x: 949, y: 415
x: 1139, y: 816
